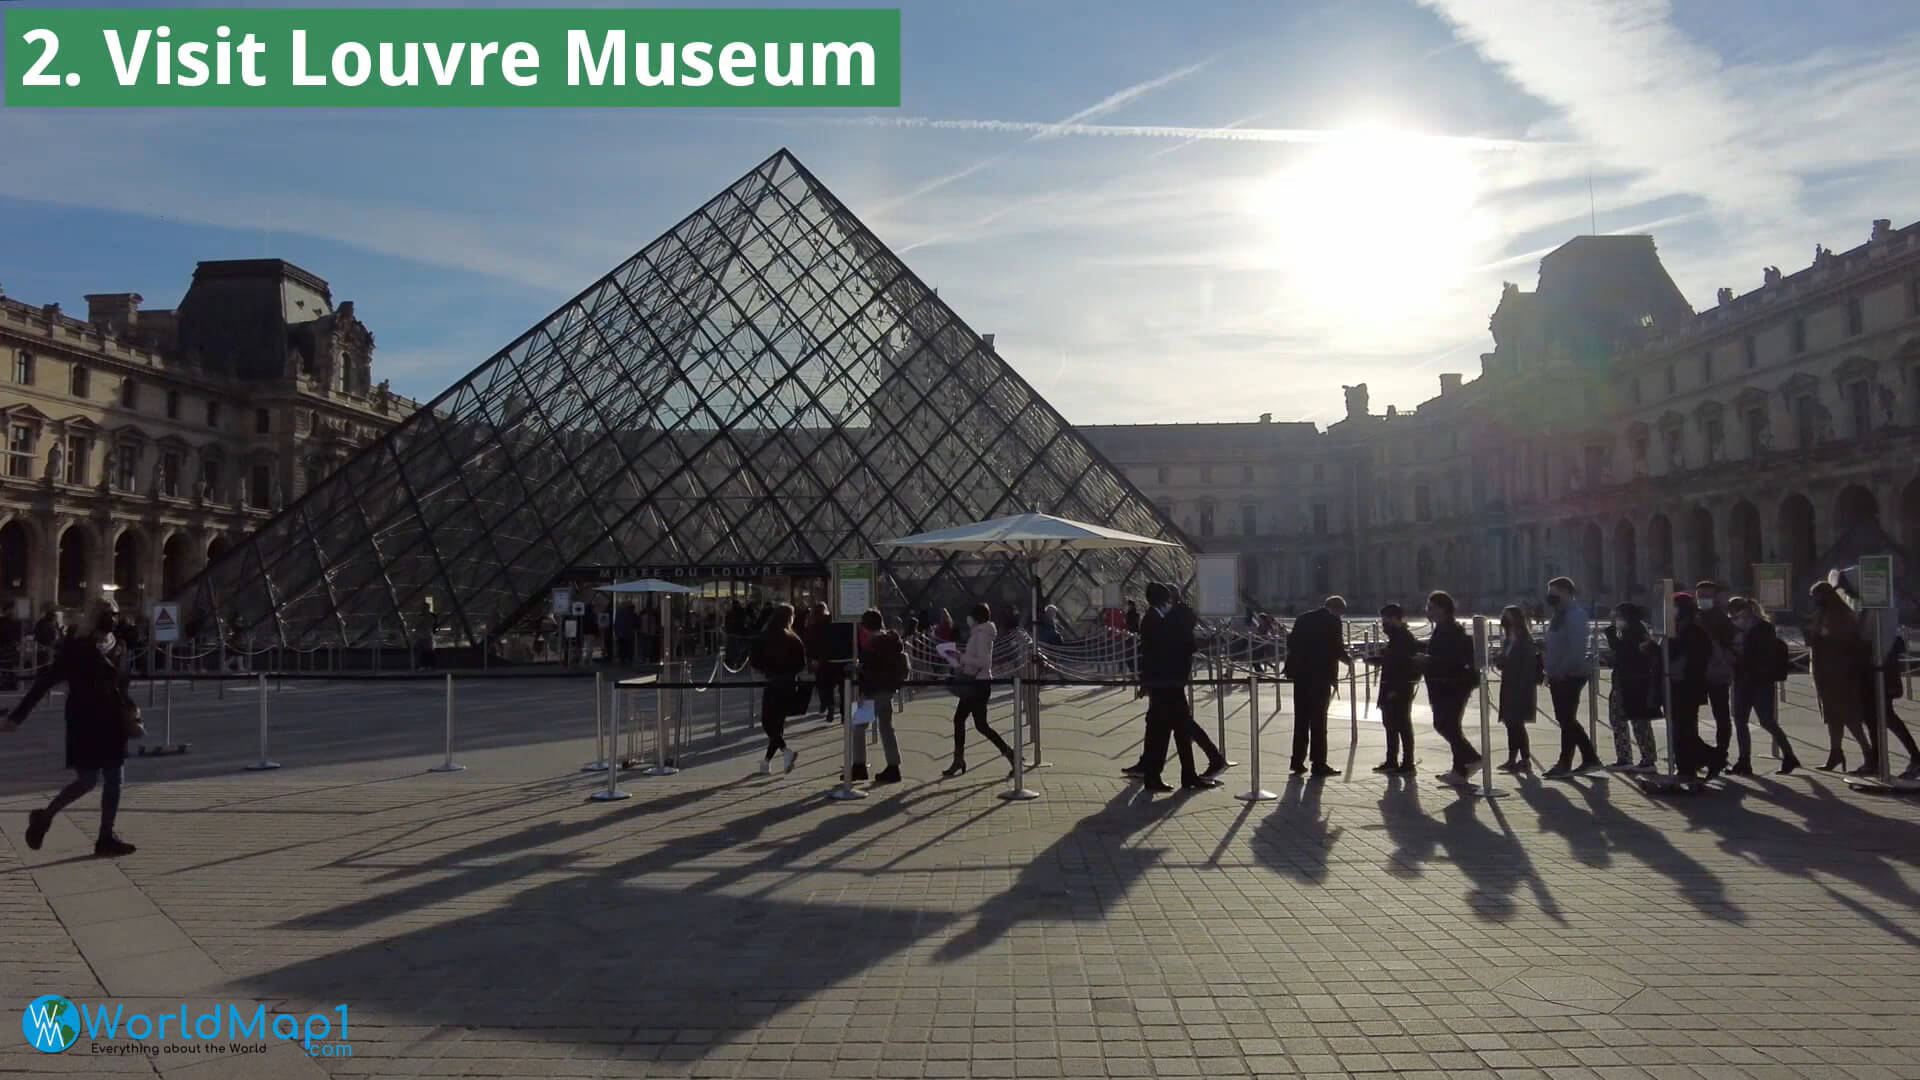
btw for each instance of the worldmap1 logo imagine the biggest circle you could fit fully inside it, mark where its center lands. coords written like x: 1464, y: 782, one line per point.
x: 51, y: 1023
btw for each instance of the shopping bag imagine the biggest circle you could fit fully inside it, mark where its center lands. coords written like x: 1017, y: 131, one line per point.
x: 863, y: 714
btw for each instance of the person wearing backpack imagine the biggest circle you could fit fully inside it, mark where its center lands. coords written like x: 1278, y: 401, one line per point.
x: 1760, y: 664
x: 881, y: 673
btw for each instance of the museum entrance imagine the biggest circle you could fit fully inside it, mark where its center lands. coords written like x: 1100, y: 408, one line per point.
x: 727, y: 606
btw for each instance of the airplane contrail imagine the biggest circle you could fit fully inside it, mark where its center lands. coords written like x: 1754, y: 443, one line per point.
x: 1322, y: 136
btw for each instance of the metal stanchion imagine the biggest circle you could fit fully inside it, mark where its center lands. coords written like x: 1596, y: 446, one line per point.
x: 661, y: 725
x: 1885, y: 782
x: 1353, y: 705
x: 1369, y: 675
x: 1031, y: 702
x: 612, y: 790
x: 265, y: 762
x: 602, y: 753
x: 1593, y: 689
x: 845, y: 790
x: 448, y: 765
x: 1019, y: 789
x: 1219, y: 700
x: 168, y: 746
x: 1671, y: 780
x: 220, y: 685
x: 1254, y: 793
x: 1487, y: 790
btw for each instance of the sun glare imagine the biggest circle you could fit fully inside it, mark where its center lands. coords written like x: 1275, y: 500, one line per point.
x: 1376, y: 225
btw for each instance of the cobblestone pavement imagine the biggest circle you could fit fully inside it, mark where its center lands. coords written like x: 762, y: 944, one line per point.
x: 494, y: 922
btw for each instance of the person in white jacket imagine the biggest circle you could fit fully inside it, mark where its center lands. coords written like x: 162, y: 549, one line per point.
x: 972, y: 672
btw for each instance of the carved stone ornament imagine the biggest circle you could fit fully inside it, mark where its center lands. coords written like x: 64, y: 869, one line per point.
x: 1726, y: 296
x: 1770, y: 275
x: 56, y: 458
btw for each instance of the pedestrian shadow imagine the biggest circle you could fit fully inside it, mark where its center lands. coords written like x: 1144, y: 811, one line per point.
x: 1492, y: 859
x: 1617, y: 830
x: 1297, y: 838
x: 1079, y: 877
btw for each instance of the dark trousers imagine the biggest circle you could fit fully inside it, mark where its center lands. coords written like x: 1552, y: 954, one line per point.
x: 1310, y: 702
x: 827, y: 685
x: 1396, y: 712
x: 83, y: 781
x: 1762, y: 702
x: 1519, y: 747
x: 775, y: 702
x: 1169, y: 717
x: 974, y: 705
x: 1566, y: 712
x: 1718, y: 700
x: 1449, y: 718
x: 1691, y: 753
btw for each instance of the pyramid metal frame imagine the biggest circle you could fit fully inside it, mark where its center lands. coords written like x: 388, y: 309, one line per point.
x: 765, y: 382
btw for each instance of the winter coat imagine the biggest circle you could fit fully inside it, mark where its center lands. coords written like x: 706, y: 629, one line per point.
x: 880, y: 664
x: 1315, y: 647
x: 977, y: 660
x: 1166, y: 647
x: 1840, y: 662
x: 1399, y: 664
x: 779, y: 656
x: 1451, y: 672
x: 97, y: 696
x: 1519, y: 686
x: 1636, y: 673
x: 1565, y: 649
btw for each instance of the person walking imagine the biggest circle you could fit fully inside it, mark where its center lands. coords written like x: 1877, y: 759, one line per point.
x: 1883, y: 684
x: 1635, y: 700
x: 1316, y: 647
x: 881, y: 674
x: 101, y: 717
x: 1841, y: 658
x: 1452, y: 676
x: 1760, y: 663
x: 1718, y: 623
x: 1166, y: 668
x: 1567, y: 673
x: 975, y: 669
x: 779, y: 656
x: 1399, y: 663
x: 1520, y: 676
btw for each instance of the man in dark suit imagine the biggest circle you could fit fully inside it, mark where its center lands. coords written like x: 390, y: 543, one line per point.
x: 1166, y: 667
x: 1316, y: 647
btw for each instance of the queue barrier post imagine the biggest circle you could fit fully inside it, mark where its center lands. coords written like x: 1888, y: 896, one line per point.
x: 612, y: 791
x: 602, y: 753
x: 448, y: 765
x: 1254, y: 793
x: 845, y: 791
x: 265, y: 762
x: 663, y: 705
x: 1487, y: 790
x: 1019, y: 790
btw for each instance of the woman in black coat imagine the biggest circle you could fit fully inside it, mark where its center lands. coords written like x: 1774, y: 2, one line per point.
x: 94, y: 669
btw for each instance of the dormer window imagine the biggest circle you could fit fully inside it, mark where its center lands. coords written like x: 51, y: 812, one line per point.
x: 23, y: 368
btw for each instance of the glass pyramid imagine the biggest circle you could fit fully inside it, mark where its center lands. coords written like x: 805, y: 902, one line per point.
x: 765, y: 383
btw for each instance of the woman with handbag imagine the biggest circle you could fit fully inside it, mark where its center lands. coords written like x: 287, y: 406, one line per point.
x: 972, y: 686
x: 101, y: 717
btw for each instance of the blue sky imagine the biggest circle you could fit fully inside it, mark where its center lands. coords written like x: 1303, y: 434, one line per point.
x: 1133, y: 274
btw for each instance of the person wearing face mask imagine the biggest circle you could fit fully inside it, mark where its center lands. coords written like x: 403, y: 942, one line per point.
x: 1715, y: 620
x: 1635, y: 701
x: 1689, y: 652
x: 1452, y: 674
x: 1759, y: 665
x: 1567, y: 675
x: 94, y: 667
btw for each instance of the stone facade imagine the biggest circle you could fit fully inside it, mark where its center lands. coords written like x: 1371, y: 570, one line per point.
x: 1614, y: 435
x: 141, y: 444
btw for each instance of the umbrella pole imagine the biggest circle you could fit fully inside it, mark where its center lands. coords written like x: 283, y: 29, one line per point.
x: 1032, y: 687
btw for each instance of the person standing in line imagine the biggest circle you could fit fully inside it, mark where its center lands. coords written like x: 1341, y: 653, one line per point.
x: 827, y: 671
x: 1520, y: 673
x: 1635, y: 701
x: 1166, y: 667
x: 98, y: 712
x: 1689, y: 653
x: 1719, y: 627
x: 1760, y: 664
x: 1316, y: 647
x: 1883, y: 684
x: 1399, y: 663
x: 1841, y: 658
x: 1567, y: 673
x: 976, y: 666
x: 1452, y: 676
x: 779, y: 656
x: 881, y: 674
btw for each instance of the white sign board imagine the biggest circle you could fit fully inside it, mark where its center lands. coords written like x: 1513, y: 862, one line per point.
x: 853, y: 588
x: 1217, y: 595
x: 1771, y: 583
x: 572, y: 629
x: 1876, y: 581
x: 166, y: 623
x: 22, y: 608
x: 562, y: 601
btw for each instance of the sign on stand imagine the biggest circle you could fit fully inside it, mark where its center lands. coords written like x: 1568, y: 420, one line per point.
x: 562, y: 601
x: 1219, y: 585
x: 854, y: 588
x: 579, y: 608
x: 1876, y: 581
x: 1772, y: 583
x: 166, y: 623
